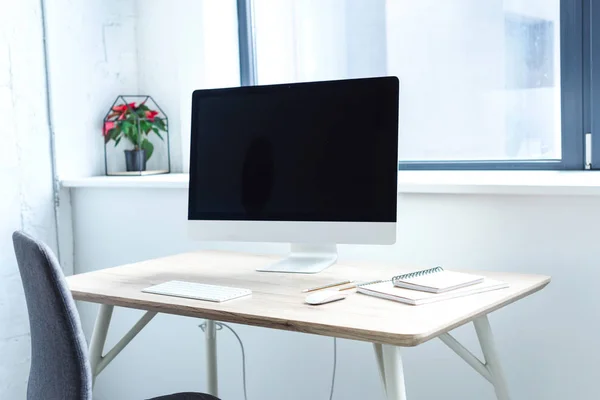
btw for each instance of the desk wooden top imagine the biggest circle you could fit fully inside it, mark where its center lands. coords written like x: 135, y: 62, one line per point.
x: 277, y: 301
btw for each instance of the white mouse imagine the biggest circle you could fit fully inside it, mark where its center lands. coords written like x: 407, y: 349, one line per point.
x: 325, y: 296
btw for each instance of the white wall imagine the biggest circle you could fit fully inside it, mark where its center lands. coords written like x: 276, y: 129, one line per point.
x: 25, y: 177
x: 92, y: 59
x: 547, y: 342
x: 183, y: 46
x: 101, y: 49
x: 159, y: 59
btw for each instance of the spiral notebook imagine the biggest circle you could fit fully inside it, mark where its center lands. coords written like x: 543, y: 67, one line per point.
x: 451, y: 287
x: 436, y: 280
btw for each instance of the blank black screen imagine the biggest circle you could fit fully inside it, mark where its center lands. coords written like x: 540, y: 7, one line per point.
x: 319, y: 151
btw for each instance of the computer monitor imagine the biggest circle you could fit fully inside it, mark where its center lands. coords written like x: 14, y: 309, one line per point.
x: 314, y: 164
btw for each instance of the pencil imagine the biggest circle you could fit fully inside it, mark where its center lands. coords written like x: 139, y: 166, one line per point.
x: 326, y: 286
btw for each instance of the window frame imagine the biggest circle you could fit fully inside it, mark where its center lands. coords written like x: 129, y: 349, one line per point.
x: 572, y: 29
x: 592, y: 85
x: 246, y: 43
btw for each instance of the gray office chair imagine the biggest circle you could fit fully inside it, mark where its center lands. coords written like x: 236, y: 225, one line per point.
x: 60, y: 368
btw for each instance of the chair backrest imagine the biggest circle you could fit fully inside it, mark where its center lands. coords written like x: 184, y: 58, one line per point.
x: 60, y: 368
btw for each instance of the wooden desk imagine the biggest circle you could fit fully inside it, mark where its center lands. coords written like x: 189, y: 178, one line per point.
x: 277, y: 302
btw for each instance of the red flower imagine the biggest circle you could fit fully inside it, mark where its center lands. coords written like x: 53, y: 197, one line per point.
x: 108, y: 126
x: 123, y: 107
x: 151, y: 115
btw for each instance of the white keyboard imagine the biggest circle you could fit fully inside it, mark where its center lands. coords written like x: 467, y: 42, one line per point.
x: 198, y: 291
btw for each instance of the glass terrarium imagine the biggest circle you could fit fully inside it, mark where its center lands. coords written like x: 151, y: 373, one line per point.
x: 136, y: 137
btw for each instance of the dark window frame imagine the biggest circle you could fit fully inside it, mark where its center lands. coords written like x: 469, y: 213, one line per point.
x: 592, y: 76
x: 572, y: 29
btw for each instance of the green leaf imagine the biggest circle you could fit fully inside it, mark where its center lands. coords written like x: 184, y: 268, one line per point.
x: 126, y: 127
x: 149, y: 147
x: 117, y: 141
x: 146, y: 126
x: 135, y: 138
x: 155, y: 129
x: 160, y: 123
x: 131, y: 132
x: 140, y: 113
x: 113, y: 134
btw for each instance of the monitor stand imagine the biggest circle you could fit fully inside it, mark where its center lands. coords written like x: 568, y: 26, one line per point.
x: 305, y: 259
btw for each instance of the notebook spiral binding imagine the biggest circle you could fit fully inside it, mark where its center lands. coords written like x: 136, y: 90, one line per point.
x: 369, y: 283
x: 404, y: 276
x: 417, y: 273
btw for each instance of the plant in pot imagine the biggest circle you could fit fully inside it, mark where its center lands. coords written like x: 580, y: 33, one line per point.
x: 135, y: 123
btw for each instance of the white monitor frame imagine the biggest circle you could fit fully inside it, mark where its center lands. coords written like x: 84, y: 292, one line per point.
x: 313, y: 244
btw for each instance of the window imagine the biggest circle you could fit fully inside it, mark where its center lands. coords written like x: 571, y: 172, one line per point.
x: 200, y: 64
x: 484, y: 83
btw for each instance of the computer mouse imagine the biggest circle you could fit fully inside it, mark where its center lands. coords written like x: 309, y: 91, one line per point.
x: 325, y: 296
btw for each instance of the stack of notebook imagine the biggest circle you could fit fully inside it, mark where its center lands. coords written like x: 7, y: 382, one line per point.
x: 429, y: 286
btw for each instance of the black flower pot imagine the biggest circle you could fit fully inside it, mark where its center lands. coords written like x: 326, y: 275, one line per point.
x: 135, y: 160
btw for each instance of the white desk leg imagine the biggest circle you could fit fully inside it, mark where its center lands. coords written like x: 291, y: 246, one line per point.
x: 99, y: 338
x: 393, y: 373
x: 486, y: 340
x: 98, y: 360
x: 379, y: 358
x: 211, y: 357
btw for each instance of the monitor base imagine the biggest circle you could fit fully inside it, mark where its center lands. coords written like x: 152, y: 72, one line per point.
x: 305, y: 259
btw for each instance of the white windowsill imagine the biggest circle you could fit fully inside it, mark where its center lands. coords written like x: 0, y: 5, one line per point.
x: 558, y: 183
x: 571, y: 183
x: 162, y: 181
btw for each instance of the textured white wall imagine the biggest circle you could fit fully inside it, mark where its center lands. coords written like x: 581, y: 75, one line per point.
x: 92, y: 59
x: 25, y: 177
x: 545, y: 341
